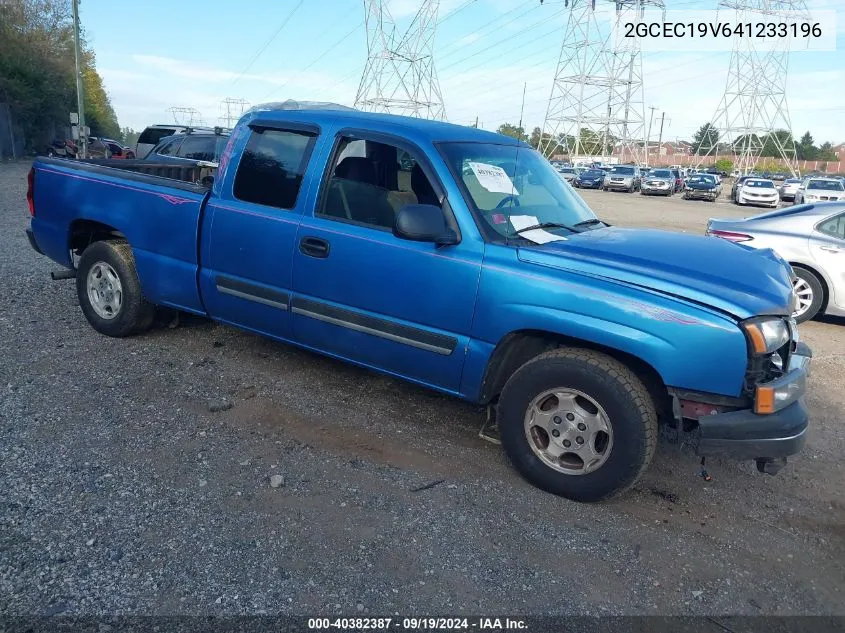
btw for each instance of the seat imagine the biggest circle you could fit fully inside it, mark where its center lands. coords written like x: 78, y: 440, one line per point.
x: 355, y: 195
x: 357, y: 168
x: 422, y: 187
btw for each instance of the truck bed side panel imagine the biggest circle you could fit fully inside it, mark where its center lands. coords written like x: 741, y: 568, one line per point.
x: 158, y: 216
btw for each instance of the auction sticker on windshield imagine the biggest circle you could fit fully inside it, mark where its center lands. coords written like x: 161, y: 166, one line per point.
x: 493, y: 179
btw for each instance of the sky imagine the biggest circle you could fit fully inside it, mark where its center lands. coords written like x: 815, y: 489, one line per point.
x: 157, y: 54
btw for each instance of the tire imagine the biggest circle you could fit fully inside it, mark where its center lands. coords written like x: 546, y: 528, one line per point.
x: 122, y: 298
x: 621, y: 397
x: 809, y: 287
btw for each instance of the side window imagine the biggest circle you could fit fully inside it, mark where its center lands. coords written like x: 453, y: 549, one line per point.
x: 370, y: 182
x: 835, y: 226
x: 169, y: 148
x: 272, y: 166
x: 197, y: 148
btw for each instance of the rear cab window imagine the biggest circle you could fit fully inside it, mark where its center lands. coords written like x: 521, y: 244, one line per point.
x: 272, y: 166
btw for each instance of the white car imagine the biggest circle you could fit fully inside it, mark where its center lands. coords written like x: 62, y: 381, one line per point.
x: 758, y: 191
x: 789, y: 188
x: 820, y: 190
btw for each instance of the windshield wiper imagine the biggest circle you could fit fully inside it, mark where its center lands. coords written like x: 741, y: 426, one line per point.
x: 546, y: 225
x: 589, y: 222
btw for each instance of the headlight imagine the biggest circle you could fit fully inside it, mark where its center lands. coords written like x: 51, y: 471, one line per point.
x: 766, y: 334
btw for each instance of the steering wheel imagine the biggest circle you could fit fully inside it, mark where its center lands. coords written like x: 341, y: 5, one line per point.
x: 509, y: 198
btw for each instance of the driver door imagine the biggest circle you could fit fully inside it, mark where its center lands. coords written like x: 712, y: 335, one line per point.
x: 365, y: 295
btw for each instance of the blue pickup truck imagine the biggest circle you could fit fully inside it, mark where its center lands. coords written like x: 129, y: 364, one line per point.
x: 460, y: 260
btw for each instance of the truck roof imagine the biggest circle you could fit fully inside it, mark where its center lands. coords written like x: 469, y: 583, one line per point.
x: 418, y: 129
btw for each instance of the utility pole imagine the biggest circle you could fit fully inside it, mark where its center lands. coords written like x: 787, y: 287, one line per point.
x: 660, y: 137
x: 648, y: 135
x: 80, y: 97
x: 522, y: 109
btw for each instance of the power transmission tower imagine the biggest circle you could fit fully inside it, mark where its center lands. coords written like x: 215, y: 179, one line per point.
x: 185, y: 116
x: 596, y: 102
x: 231, y: 110
x: 753, y: 108
x: 400, y: 76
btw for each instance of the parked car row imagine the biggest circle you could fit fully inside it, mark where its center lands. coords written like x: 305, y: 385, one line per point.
x: 98, y: 147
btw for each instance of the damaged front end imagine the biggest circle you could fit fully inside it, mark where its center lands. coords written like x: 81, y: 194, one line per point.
x: 768, y: 422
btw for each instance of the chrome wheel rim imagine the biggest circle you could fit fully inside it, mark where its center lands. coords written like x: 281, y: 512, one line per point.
x: 568, y: 431
x: 804, y: 292
x: 105, y: 292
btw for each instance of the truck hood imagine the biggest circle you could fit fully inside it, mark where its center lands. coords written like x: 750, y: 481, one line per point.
x: 730, y: 277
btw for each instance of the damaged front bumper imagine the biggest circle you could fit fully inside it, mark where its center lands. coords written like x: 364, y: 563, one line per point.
x: 744, y: 434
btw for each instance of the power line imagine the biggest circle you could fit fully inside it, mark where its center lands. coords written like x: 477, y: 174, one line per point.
x: 317, y: 59
x: 267, y: 43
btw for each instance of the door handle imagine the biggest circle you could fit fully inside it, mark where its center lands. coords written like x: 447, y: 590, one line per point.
x: 314, y: 247
x: 831, y: 249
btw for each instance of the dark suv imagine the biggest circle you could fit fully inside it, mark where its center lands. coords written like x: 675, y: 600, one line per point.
x: 191, y: 146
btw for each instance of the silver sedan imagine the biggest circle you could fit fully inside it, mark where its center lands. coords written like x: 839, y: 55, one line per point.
x: 811, y: 238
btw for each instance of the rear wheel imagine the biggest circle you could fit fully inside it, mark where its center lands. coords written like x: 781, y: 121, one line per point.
x: 578, y: 423
x: 109, y: 291
x: 810, y: 295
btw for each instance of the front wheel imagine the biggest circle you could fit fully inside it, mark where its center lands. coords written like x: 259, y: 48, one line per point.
x: 109, y: 291
x: 810, y: 294
x: 578, y: 423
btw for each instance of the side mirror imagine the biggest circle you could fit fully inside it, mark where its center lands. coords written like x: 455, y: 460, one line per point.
x: 423, y: 223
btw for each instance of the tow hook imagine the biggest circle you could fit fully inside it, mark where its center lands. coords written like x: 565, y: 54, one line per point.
x: 770, y: 466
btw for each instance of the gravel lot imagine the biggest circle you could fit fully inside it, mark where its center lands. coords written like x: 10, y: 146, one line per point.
x: 122, y: 492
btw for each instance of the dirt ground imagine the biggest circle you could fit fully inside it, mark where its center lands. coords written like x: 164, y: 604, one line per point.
x: 123, y: 488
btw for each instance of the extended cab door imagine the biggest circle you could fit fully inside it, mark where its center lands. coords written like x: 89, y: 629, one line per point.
x: 362, y: 293
x: 249, y: 229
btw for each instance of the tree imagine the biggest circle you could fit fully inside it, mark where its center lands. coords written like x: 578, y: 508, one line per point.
x: 129, y: 136
x: 514, y: 131
x: 724, y: 164
x: 826, y: 152
x: 705, y: 139
x: 774, y: 142
x: 37, y: 73
x: 544, y: 142
x: 806, y: 148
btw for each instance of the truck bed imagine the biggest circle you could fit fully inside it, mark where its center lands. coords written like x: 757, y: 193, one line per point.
x: 188, y: 172
x: 158, y: 216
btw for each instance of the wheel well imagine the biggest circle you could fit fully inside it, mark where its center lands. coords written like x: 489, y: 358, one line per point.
x: 517, y: 348
x: 825, y: 290
x: 85, y: 232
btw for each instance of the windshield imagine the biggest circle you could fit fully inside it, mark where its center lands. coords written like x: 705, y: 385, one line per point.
x: 624, y: 171
x: 505, y: 181
x: 762, y: 184
x: 793, y: 181
x: 592, y: 173
x: 699, y: 178
x: 830, y: 185
x: 661, y: 173
x: 566, y: 170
